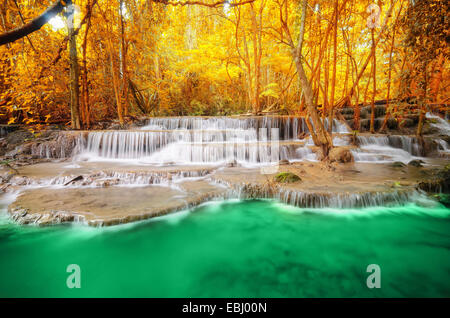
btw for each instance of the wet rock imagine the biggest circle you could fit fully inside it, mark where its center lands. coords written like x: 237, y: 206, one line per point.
x: 415, y: 163
x: 392, y: 123
x: 284, y: 162
x: 287, y: 177
x: 347, y: 110
x: 24, y: 149
x: 380, y: 110
x: 232, y: 164
x: 302, y: 135
x: 446, y: 139
x: 78, y: 178
x: 18, y: 180
x: 443, y: 198
x: 340, y: 154
x: 398, y: 164
x: 17, y: 137
x: 429, y: 129
x: 406, y: 122
x: 4, y: 187
x: 439, y: 181
x: 59, y: 145
x: 318, y: 152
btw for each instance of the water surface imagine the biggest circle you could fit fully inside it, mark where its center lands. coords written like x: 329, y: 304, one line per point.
x: 236, y: 249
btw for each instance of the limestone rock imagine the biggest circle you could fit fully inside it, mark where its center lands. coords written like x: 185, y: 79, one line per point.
x: 340, y: 154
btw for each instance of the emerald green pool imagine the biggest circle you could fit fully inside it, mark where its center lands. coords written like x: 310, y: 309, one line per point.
x: 236, y: 249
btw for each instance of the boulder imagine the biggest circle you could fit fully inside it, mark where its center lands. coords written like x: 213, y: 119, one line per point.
x: 340, y: 154
x: 398, y: 164
x: 283, y: 162
x: 415, y: 163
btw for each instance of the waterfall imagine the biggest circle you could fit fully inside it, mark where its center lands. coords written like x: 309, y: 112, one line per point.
x: 444, y: 129
x: 386, y: 149
x: 441, y: 124
x: 249, y: 141
x: 324, y: 199
x: 443, y: 148
x: 204, y: 140
x: 179, y: 146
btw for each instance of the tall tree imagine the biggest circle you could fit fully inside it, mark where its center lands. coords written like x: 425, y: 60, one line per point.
x: 319, y: 134
x: 74, y: 70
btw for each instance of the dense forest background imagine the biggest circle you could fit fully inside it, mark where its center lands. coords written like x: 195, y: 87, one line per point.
x: 123, y: 59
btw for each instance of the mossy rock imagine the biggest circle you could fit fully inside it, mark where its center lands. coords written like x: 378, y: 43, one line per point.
x: 287, y: 177
x: 415, y: 163
x: 398, y: 164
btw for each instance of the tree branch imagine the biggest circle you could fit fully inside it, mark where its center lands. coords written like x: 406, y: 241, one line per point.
x: 34, y: 24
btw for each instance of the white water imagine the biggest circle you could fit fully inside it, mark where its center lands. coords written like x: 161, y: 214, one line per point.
x: 444, y: 128
x: 194, y: 140
x: 383, y: 149
x: 218, y: 140
x: 439, y: 123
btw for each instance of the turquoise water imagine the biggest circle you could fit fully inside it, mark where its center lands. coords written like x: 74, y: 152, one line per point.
x: 236, y: 249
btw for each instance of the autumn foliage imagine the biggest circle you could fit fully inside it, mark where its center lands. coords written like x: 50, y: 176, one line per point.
x: 153, y: 58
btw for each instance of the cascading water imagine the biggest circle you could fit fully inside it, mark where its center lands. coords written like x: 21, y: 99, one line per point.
x: 196, y: 140
x: 441, y: 124
x: 444, y: 129
x: 248, y: 141
x: 386, y: 149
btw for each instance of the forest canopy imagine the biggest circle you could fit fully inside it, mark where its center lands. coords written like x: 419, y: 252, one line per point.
x: 99, y: 60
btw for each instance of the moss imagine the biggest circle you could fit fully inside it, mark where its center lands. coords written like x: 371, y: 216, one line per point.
x: 287, y: 177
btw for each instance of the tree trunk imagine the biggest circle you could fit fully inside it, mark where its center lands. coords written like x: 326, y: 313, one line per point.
x: 374, y: 72
x: 333, y: 76
x: 320, y: 136
x: 423, y: 105
x: 74, y: 75
x: 124, y: 50
x: 388, y: 112
x: 361, y: 72
x: 86, y: 116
